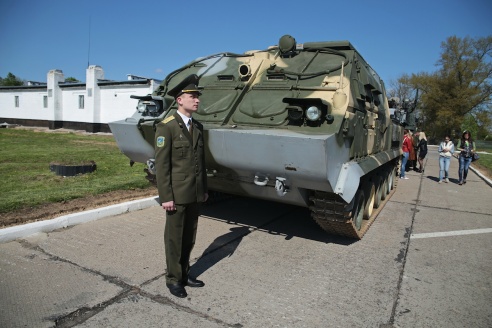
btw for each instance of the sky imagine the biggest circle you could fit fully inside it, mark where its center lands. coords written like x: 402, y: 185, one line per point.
x: 152, y: 38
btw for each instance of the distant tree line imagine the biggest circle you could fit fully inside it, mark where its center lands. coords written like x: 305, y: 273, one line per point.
x: 12, y: 80
x: 458, y: 96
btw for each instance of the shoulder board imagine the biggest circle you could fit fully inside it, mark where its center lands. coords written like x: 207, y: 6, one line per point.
x: 169, y: 119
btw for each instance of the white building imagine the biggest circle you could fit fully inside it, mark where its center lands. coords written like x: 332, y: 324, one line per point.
x: 82, y: 106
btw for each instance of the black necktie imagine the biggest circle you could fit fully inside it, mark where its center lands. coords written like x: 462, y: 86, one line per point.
x: 191, y: 127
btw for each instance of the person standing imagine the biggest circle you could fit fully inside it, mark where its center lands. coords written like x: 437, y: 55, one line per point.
x: 412, y: 155
x: 422, y: 148
x: 466, y: 145
x: 446, y: 150
x: 181, y: 182
x: 407, y: 145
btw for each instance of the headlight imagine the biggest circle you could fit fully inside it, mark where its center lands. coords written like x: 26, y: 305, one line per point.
x: 141, y: 107
x: 313, y: 113
x: 152, y: 108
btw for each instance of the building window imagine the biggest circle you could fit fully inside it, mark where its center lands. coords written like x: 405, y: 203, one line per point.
x: 81, y: 102
x: 45, y: 101
x: 16, y: 101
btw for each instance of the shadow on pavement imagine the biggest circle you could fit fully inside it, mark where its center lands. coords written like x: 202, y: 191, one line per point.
x: 271, y: 217
x: 222, y: 247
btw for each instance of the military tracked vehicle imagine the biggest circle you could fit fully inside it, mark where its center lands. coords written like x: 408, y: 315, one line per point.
x: 304, y: 124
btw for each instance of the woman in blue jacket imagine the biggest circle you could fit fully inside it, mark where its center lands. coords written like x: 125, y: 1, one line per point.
x: 446, y: 150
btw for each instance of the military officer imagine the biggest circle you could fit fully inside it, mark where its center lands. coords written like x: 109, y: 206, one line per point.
x: 182, y: 182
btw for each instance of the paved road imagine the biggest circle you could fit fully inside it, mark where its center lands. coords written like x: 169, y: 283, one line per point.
x: 425, y: 262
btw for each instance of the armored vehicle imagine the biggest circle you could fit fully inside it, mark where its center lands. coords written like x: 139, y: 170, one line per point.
x: 305, y: 124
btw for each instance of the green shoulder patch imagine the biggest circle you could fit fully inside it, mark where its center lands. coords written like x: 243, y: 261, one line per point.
x: 168, y: 119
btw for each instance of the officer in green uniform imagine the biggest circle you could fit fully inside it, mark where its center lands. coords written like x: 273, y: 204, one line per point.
x: 182, y: 182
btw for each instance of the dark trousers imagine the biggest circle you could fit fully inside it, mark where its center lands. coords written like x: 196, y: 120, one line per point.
x: 179, y: 239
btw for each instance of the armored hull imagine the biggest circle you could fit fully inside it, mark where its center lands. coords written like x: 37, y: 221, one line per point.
x: 305, y: 124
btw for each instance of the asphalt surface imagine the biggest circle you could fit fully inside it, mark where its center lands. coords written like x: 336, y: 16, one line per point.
x: 425, y: 262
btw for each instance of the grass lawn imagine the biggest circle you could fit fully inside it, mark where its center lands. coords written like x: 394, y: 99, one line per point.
x: 25, y: 157
x: 27, y: 181
x: 484, y: 164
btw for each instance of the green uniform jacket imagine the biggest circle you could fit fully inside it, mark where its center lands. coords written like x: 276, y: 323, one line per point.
x: 180, y: 161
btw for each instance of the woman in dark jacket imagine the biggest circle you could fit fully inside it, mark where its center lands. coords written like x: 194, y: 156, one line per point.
x: 466, y: 145
x: 422, y: 147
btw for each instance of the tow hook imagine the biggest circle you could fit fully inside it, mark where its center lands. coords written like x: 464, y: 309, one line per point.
x: 280, y: 186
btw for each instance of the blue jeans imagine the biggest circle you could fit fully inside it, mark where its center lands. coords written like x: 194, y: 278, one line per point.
x: 404, y: 160
x: 444, y: 167
x: 464, y: 165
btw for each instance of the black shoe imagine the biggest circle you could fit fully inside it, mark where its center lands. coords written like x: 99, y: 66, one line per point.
x: 194, y: 282
x: 177, y: 290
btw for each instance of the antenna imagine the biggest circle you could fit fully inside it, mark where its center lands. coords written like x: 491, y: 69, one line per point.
x: 89, y: 51
x: 340, y: 84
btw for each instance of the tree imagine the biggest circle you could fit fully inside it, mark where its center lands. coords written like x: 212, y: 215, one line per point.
x: 71, y: 80
x: 470, y: 124
x: 401, y: 88
x: 484, y: 123
x: 11, y: 80
x: 461, y: 88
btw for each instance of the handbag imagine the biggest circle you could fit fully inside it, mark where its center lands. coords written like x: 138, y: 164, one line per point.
x: 475, y: 157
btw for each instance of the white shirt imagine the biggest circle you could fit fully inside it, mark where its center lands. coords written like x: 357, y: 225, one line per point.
x: 186, y: 119
x: 449, y: 145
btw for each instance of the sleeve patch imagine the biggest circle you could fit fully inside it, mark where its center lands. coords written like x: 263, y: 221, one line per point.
x: 160, y: 141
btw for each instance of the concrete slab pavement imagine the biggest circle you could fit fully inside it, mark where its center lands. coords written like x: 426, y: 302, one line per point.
x: 446, y: 281
x: 265, y: 265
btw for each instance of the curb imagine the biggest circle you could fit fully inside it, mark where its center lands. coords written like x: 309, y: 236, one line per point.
x: 484, y: 178
x: 12, y: 233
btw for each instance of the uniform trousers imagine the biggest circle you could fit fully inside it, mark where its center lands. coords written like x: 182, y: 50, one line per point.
x: 179, y: 239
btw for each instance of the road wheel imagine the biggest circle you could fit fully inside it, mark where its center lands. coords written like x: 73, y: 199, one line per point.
x: 384, y: 187
x: 389, y: 181
x: 358, y: 209
x: 370, y: 195
x: 379, y: 192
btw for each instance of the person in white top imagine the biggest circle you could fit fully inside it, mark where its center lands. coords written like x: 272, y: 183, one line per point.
x: 446, y: 150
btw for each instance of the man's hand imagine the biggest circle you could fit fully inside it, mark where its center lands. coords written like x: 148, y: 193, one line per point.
x: 205, y: 197
x: 169, y: 206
